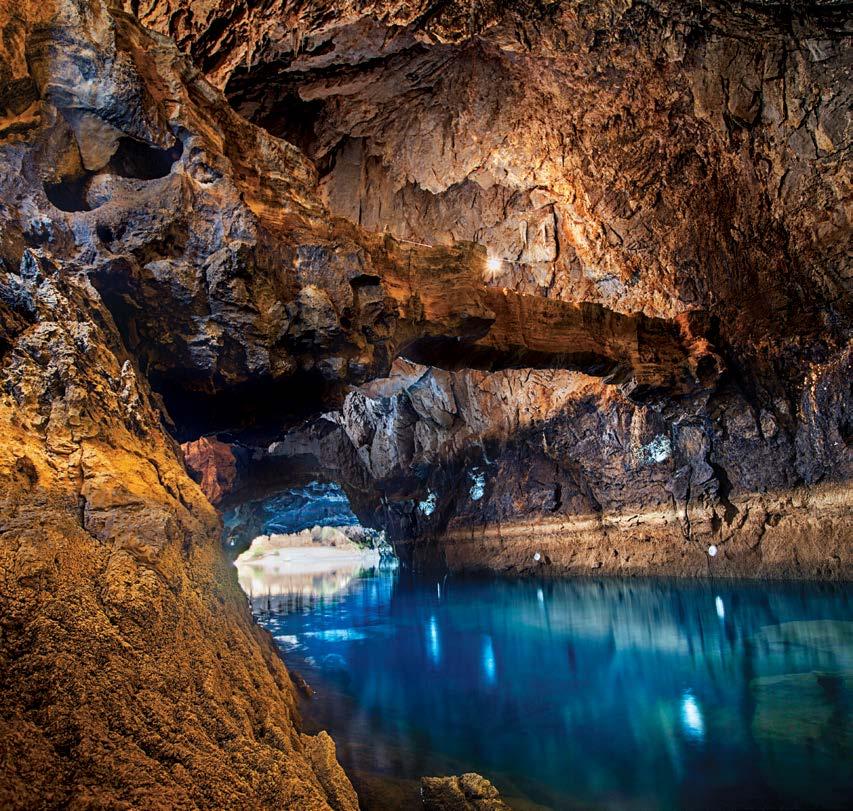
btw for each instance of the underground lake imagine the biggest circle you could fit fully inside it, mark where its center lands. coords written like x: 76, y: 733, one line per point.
x: 577, y: 693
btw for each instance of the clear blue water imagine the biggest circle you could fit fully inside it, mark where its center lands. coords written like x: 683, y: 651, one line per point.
x: 582, y: 694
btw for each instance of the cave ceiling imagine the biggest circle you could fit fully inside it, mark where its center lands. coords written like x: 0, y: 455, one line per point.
x: 655, y: 157
x: 638, y: 211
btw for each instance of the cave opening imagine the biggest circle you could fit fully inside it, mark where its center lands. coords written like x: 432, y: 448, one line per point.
x: 135, y: 159
x: 132, y: 159
x: 309, y: 544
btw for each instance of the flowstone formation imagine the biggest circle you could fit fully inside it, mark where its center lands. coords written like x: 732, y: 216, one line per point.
x: 562, y: 284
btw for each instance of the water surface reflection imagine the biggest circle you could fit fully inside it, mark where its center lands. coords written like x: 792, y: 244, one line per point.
x: 579, y: 693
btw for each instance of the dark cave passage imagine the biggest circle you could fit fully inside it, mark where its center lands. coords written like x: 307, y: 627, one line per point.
x: 132, y: 159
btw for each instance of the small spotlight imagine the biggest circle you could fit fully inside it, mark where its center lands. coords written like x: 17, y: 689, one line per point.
x: 537, y: 557
x: 494, y: 264
x: 712, y: 550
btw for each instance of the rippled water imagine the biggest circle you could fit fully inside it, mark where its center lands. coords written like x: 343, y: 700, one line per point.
x: 579, y: 693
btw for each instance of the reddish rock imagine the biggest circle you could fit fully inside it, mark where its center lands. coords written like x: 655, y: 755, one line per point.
x: 213, y: 465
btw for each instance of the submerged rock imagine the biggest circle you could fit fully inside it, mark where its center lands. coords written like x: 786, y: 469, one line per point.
x: 804, y: 719
x: 320, y: 750
x: 830, y: 638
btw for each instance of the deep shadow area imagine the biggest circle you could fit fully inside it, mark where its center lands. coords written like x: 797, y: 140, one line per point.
x: 139, y: 160
x: 257, y: 411
x: 69, y: 195
x: 132, y: 159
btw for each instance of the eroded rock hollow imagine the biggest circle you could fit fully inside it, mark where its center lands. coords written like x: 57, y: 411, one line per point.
x: 559, y: 286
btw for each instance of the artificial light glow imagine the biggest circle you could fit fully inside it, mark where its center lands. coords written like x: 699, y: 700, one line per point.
x: 691, y: 717
x: 712, y: 550
x: 490, y: 670
x: 493, y: 264
x: 721, y: 609
x: 433, y: 642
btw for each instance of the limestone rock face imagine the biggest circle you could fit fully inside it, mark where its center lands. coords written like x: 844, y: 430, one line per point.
x: 487, y: 470
x: 470, y: 792
x: 133, y: 674
x: 685, y: 160
x: 208, y: 241
x: 214, y: 464
x: 646, y: 156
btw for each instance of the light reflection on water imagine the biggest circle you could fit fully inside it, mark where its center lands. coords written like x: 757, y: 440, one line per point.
x: 580, y: 693
x: 301, y: 572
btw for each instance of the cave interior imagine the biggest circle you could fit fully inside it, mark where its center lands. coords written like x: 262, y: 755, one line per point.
x: 530, y: 288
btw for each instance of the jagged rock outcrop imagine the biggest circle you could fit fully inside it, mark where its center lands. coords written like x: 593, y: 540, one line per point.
x: 487, y: 470
x: 469, y: 792
x: 227, y: 276
x: 215, y: 465
x: 133, y: 674
x: 645, y: 155
x: 676, y: 159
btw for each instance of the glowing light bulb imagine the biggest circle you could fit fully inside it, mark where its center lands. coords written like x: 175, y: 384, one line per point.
x: 712, y: 550
x: 493, y: 264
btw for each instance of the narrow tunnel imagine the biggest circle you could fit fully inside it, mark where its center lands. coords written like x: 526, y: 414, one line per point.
x: 308, y: 542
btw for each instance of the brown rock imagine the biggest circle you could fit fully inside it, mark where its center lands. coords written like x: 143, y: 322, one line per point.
x: 214, y: 464
x: 320, y: 751
x: 470, y: 792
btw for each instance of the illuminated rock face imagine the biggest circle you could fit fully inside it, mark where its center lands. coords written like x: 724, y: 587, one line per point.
x: 655, y: 360
x: 684, y: 160
x: 486, y: 470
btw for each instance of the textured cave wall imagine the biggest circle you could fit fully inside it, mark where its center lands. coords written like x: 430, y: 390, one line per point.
x: 657, y: 157
x: 481, y: 471
x: 647, y: 155
x: 133, y: 674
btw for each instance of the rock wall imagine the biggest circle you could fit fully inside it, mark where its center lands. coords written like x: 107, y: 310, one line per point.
x: 484, y: 471
x: 658, y: 157
x: 133, y: 674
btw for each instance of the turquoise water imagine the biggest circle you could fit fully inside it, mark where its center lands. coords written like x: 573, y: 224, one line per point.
x: 579, y: 693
